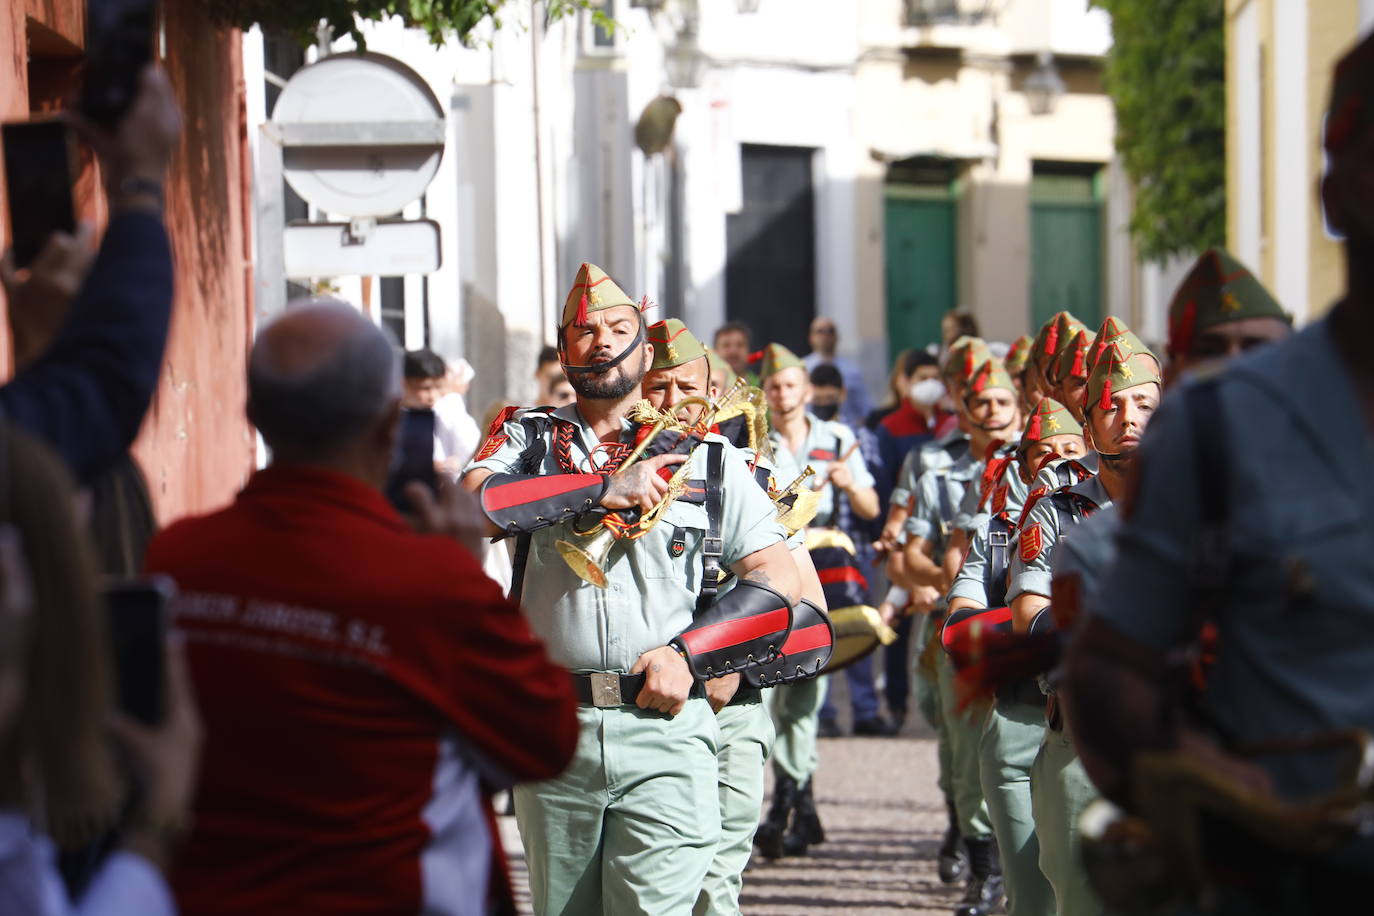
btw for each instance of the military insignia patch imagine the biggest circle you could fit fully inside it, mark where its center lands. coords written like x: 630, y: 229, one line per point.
x: 821, y: 454
x: 1032, y: 542
x: 490, y: 447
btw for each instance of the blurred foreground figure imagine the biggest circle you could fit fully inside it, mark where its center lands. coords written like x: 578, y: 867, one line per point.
x: 364, y: 687
x: 1251, y: 520
x: 86, y: 394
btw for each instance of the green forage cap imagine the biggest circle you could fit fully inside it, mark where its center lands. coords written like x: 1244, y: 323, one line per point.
x: 1053, y: 335
x: 592, y: 291
x: 1114, y: 333
x: 1050, y: 419
x: 1074, y: 359
x: 776, y: 357
x: 1019, y: 354
x: 1217, y: 290
x: 718, y: 364
x: 991, y: 374
x: 965, y: 355
x: 674, y: 345
x: 1117, y: 369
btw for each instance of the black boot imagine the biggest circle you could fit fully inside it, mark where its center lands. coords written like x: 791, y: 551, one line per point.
x: 984, y: 892
x: 952, y: 860
x: 806, y: 824
x: 768, y: 838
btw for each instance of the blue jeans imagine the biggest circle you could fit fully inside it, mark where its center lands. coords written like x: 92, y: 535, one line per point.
x: 863, y: 695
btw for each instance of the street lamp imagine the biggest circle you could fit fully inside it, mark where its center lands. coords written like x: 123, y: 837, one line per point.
x: 684, y: 61
x: 1044, y: 86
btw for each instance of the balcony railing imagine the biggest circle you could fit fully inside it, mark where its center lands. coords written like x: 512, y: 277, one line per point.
x: 947, y: 12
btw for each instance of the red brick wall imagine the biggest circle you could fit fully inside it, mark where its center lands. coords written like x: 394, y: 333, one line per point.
x: 196, y: 446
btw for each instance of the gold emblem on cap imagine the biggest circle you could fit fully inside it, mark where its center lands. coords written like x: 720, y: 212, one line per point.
x: 1126, y: 372
x: 1052, y: 424
x: 594, y: 297
x: 1229, y: 302
x: 672, y: 353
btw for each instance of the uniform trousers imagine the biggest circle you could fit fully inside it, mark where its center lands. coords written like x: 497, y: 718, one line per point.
x: 927, y: 695
x: 795, y: 709
x: 965, y: 732
x: 746, y: 737
x: 1012, y: 736
x: 632, y: 825
x: 1060, y: 792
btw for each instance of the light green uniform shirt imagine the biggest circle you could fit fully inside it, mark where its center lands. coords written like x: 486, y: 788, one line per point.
x: 650, y: 595
x: 928, y: 456
x: 1033, y: 574
x: 972, y: 580
x: 826, y: 442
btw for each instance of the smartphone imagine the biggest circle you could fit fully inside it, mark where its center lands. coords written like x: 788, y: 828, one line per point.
x: 414, y: 457
x: 38, y: 183
x: 137, y: 614
x: 119, y: 43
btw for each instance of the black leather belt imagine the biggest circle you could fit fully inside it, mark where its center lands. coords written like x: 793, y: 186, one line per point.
x: 746, y: 696
x: 608, y: 689
x: 1022, y: 693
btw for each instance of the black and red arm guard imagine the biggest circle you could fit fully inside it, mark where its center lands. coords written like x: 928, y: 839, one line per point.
x: 520, y: 503
x: 805, y: 653
x: 967, y: 633
x: 746, y: 626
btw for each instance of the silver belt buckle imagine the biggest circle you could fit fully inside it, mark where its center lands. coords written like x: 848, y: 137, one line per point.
x: 605, y: 689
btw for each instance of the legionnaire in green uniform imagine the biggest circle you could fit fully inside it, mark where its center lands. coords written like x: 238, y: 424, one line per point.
x: 991, y: 412
x: 1070, y: 373
x: 1219, y: 311
x: 828, y: 448
x: 632, y: 825
x: 1016, y: 361
x: 681, y: 370
x: 1123, y: 391
x: 1015, y: 726
x: 1049, y: 341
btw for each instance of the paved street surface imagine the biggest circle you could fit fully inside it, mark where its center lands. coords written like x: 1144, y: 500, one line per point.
x: 883, y: 817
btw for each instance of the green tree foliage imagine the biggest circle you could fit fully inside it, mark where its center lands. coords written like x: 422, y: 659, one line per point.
x: 441, y: 19
x: 1166, y: 74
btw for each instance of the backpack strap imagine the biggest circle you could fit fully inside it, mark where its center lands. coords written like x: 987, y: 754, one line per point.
x: 999, y: 559
x: 531, y: 461
x: 712, y: 546
x: 1211, y: 542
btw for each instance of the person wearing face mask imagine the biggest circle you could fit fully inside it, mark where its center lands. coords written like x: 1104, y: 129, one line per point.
x: 827, y: 396
x: 991, y: 414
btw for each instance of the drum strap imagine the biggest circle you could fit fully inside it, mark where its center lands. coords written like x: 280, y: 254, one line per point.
x: 999, y: 558
x: 946, y: 504
x: 712, y: 546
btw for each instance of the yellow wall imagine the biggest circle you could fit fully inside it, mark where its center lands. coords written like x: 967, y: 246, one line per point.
x: 1331, y: 30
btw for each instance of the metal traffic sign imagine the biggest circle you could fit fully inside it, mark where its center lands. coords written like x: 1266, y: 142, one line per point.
x: 361, y: 134
x: 386, y: 248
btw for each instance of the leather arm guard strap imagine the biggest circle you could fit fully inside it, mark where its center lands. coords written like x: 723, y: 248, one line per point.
x: 966, y: 633
x: 805, y: 653
x: 520, y: 503
x: 745, y: 627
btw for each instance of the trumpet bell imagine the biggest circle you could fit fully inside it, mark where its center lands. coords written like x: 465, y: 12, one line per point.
x: 586, y: 554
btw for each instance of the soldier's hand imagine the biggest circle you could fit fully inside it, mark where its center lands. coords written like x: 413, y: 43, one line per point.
x: 721, y: 690
x: 667, y: 682
x: 639, y: 484
x: 888, y: 612
x: 456, y: 513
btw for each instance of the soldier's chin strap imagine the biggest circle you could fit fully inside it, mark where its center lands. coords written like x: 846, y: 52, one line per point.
x: 612, y: 363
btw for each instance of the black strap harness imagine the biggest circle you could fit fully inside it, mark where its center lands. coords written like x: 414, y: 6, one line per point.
x: 713, y: 545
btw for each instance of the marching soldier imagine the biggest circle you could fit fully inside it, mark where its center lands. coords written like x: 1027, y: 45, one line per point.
x: 1123, y: 392
x: 1049, y: 341
x: 830, y: 449
x: 633, y: 824
x: 681, y: 369
x: 1015, y: 726
x: 1219, y: 311
x: 991, y: 413
x: 1017, y: 360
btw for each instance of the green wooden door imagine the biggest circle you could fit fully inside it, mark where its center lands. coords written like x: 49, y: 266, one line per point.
x: 1066, y: 248
x: 921, y: 264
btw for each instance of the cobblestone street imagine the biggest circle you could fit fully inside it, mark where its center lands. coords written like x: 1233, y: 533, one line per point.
x: 883, y: 817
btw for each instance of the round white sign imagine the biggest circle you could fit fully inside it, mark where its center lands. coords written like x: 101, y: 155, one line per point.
x: 362, y: 134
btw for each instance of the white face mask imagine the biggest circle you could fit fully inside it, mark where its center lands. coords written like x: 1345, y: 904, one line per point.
x: 927, y: 392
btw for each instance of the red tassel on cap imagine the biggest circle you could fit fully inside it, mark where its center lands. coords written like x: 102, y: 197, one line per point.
x: 1033, y: 431
x: 1106, y: 402
x: 581, y: 319
x: 1182, y: 336
x: 1078, y: 370
x: 756, y: 357
x: 1052, y: 339
x: 968, y: 363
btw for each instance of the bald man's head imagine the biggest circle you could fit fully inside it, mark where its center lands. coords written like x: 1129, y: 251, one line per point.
x: 320, y: 377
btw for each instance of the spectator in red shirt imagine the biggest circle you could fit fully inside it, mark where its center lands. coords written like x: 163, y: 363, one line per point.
x: 364, y: 687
